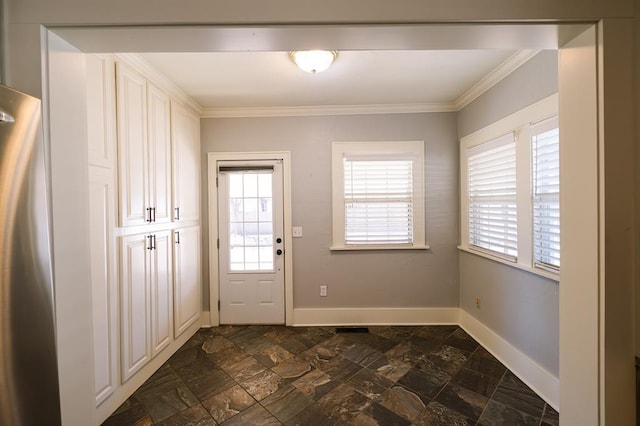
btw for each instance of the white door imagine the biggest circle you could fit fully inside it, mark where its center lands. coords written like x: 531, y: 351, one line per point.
x: 251, y: 254
x: 161, y: 278
x: 134, y: 279
x: 159, y: 134
x: 187, y: 283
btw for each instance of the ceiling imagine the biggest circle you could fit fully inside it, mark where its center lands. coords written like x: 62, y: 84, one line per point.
x: 228, y: 83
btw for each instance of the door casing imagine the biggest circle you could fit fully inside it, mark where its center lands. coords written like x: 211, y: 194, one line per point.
x: 212, y: 161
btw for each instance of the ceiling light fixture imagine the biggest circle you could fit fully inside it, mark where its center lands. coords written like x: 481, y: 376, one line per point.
x: 313, y: 61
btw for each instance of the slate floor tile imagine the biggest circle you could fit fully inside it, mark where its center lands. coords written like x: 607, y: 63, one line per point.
x: 256, y: 415
x: 205, y: 386
x: 316, y: 384
x: 437, y: 414
x: 343, y: 403
x: 312, y: 415
x: 461, y: 340
x: 550, y: 417
x: 228, y: 403
x: 403, y: 402
x: 513, y: 393
x: 263, y: 384
x: 485, y: 363
x: 462, y: 400
x: 167, y: 404
x: 370, y: 384
x: 422, y: 383
x: 316, y: 376
x: 286, y: 403
x: 194, y: 416
x: 137, y: 416
x: 479, y: 383
x: 244, y: 369
x: 391, y: 368
x: 497, y: 414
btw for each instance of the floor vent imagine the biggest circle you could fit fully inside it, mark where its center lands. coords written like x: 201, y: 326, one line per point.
x: 352, y: 329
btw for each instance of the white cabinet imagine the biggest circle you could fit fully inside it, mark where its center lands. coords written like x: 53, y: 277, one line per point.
x: 103, y: 283
x: 101, y: 110
x: 187, y: 273
x: 144, y: 149
x: 161, y: 291
x: 185, y: 141
x: 102, y: 217
x: 159, y: 125
x: 146, y: 299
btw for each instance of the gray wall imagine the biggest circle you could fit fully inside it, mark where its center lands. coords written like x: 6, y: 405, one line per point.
x: 519, y: 306
x: 355, y: 279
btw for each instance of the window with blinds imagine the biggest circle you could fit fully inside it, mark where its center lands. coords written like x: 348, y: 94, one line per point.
x: 492, y: 205
x: 545, y: 146
x: 378, y: 199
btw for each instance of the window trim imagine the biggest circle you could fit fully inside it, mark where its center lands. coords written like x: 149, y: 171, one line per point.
x: 518, y: 122
x: 338, y: 150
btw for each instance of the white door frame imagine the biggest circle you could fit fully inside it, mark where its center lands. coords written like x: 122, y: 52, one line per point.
x: 212, y: 160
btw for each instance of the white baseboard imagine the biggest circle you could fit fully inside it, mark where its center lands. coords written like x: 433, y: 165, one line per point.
x: 205, y: 319
x: 530, y: 372
x: 373, y: 316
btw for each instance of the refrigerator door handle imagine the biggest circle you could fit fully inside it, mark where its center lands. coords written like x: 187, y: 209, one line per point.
x: 6, y: 118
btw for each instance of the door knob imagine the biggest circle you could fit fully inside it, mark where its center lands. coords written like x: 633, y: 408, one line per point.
x: 279, y: 252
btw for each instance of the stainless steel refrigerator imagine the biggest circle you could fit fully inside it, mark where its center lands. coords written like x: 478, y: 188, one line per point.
x: 29, y: 392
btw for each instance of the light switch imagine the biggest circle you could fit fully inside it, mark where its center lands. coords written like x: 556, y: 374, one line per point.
x: 296, y: 231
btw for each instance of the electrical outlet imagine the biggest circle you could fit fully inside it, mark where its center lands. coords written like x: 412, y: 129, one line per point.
x: 323, y: 291
x: 477, y: 302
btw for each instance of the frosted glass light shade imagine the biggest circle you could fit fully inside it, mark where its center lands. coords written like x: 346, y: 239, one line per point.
x: 313, y: 61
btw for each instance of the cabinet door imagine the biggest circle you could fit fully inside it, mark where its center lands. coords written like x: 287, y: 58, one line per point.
x: 185, y: 138
x: 101, y: 121
x: 131, y: 100
x: 159, y: 154
x: 104, y: 282
x: 187, y: 273
x: 161, y: 292
x: 134, y: 308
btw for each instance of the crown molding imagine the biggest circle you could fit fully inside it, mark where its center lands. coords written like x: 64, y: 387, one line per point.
x: 326, y: 110
x: 514, y: 62
x: 159, y: 79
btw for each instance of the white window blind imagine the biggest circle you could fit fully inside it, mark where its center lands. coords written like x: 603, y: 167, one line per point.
x: 378, y: 199
x: 491, y: 173
x: 545, y: 144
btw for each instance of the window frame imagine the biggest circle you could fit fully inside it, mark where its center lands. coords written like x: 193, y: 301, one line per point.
x: 519, y: 123
x: 416, y: 149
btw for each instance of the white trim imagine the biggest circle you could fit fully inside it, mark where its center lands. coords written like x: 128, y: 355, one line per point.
x: 519, y: 123
x: 373, y: 316
x: 304, y: 111
x: 378, y: 247
x: 212, y: 159
x: 541, y: 381
x: 533, y: 270
x: 494, y: 77
x: 391, y: 148
x: 205, y: 319
x: 175, y: 93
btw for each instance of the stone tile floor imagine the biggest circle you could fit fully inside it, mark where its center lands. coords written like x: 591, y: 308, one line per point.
x: 274, y: 375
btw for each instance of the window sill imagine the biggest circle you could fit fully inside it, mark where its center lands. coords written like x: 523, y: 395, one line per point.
x: 545, y: 274
x: 367, y: 248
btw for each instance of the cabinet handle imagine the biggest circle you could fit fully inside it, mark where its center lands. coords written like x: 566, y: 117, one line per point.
x: 155, y: 246
x: 154, y: 213
x: 177, y: 237
x: 148, y: 219
x: 177, y: 209
x: 150, y: 246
